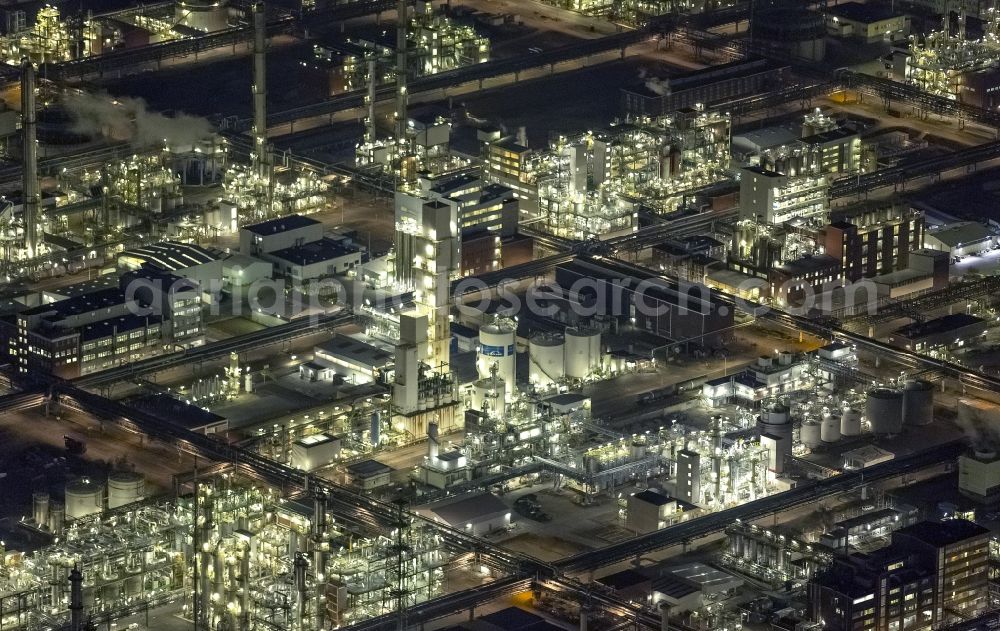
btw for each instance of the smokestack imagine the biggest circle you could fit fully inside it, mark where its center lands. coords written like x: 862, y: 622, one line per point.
x: 30, y: 154
x: 370, y: 120
x: 262, y: 151
x: 402, y: 18
x: 76, y: 600
x: 299, y: 576
x: 432, y: 440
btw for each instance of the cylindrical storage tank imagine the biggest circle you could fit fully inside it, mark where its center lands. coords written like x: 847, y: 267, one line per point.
x: 133, y: 586
x: 583, y: 352
x: 57, y: 518
x: 547, y: 356
x: 40, y: 509
x: 84, y: 497
x: 830, y: 427
x: 884, y: 410
x: 850, y: 422
x: 202, y: 15
x: 810, y: 434
x: 125, y: 487
x: 496, y: 347
x: 776, y: 420
x: 918, y: 402
x: 778, y: 414
x: 488, y: 392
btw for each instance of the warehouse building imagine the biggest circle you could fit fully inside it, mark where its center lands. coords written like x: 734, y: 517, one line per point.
x: 950, y: 331
x: 279, y: 234
x: 960, y: 239
x: 866, y: 22
x: 660, y: 97
x: 476, y: 514
x: 671, y: 309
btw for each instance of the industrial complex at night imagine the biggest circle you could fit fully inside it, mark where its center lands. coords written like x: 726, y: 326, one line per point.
x: 499, y: 315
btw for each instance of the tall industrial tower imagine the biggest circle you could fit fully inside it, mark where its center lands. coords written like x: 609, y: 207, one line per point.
x: 262, y: 159
x: 30, y: 155
x: 402, y: 19
x: 427, y: 259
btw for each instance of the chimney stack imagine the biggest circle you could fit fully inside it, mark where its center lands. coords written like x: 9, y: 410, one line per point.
x: 30, y: 155
x: 262, y: 151
x: 402, y: 18
x: 76, y: 600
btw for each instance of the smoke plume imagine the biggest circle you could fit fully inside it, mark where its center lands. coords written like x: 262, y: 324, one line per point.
x: 130, y: 119
x: 655, y: 84
x: 980, y: 425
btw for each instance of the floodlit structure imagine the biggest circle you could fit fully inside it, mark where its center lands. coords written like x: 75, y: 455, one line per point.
x: 595, y: 183
x: 236, y: 553
x: 427, y: 42
x: 943, y: 62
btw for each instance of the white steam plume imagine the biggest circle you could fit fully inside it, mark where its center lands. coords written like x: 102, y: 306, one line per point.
x: 654, y: 84
x: 130, y: 119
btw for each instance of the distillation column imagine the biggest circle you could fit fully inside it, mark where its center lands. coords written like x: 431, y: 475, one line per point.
x: 30, y: 155
x: 262, y: 160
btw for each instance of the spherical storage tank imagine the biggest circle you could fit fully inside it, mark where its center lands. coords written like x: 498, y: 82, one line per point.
x: 583, y: 352
x: 830, y: 426
x: 884, y: 410
x: 850, y: 422
x: 547, y: 356
x: 918, y: 402
x: 125, y: 487
x: 496, y: 347
x: 810, y: 434
x: 84, y: 497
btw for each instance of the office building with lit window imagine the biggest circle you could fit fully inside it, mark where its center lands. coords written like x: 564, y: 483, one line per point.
x: 931, y: 575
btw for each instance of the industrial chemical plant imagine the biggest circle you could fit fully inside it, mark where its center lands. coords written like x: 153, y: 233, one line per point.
x: 391, y: 315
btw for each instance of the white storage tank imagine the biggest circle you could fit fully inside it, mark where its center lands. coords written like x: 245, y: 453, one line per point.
x: 202, y: 15
x: 57, y: 518
x: 487, y: 393
x: 497, y: 348
x: 918, y: 402
x: 546, y: 354
x: 850, y: 422
x: 884, y: 410
x: 776, y: 420
x: 125, y: 487
x: 810, y: 434
x: 40, y: 509
x: 830, y: 427
x: 84, y: 496
x: 583, y: 352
